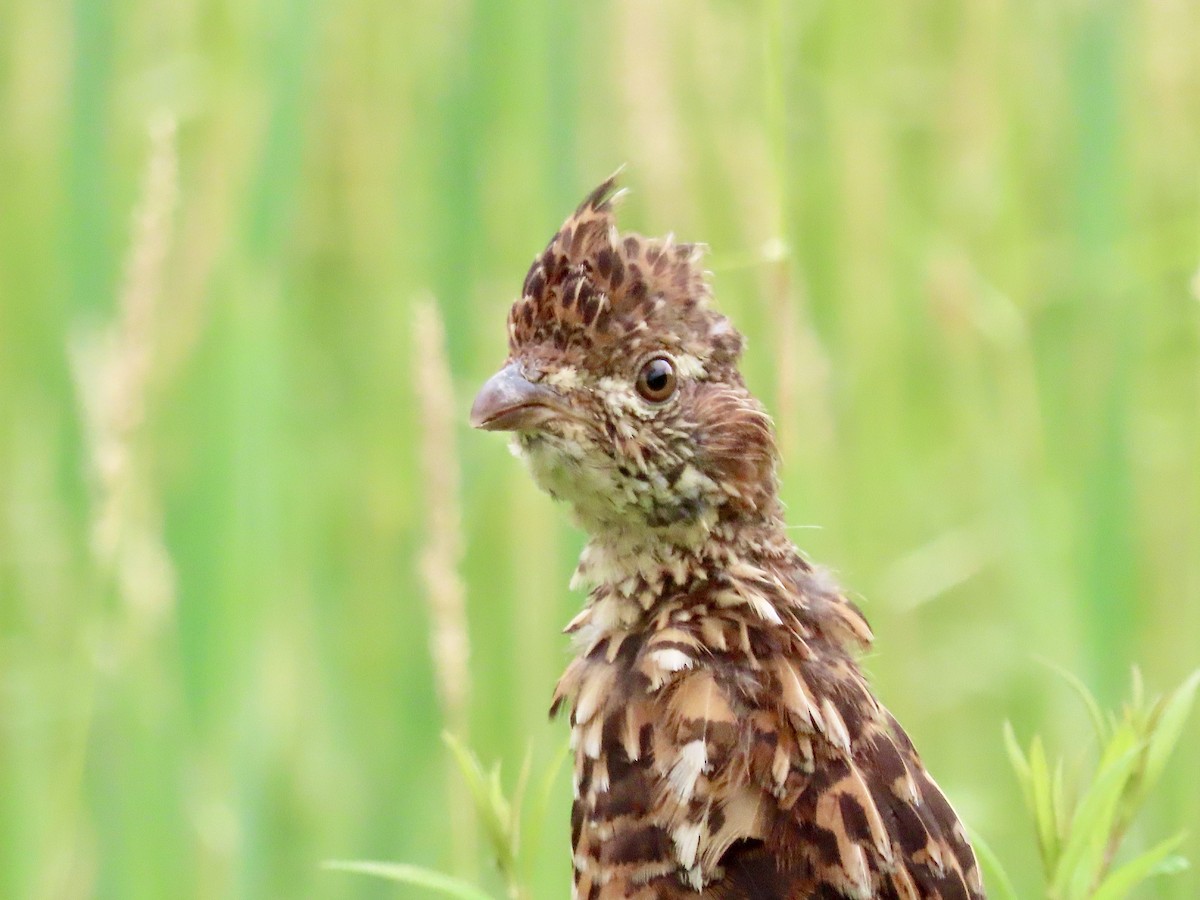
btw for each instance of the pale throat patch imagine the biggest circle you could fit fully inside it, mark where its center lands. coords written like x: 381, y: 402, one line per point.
x: 603, y: 491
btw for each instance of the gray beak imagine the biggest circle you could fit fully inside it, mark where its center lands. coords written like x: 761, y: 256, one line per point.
x: 508, y: 401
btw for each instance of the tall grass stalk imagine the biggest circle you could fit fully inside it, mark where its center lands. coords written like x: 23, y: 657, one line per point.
x: 441, y: 556
x: 113, y: 367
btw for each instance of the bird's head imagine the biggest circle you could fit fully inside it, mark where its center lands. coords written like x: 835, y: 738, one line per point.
x: 621, y: 385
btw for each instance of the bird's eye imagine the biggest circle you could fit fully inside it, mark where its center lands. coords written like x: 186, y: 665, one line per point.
x: 656, y: 382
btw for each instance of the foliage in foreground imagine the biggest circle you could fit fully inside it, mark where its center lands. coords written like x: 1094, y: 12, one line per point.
x: 1079, y: 830
x: 506, y: 823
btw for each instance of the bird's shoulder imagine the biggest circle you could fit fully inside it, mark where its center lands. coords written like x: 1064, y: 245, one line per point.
x: 727, y: 743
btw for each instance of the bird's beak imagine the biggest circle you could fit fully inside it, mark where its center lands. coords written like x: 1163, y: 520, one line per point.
x: 508, y: 401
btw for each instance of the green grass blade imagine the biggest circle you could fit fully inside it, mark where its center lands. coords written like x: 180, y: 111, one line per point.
x: 1080, y: 864
x: 1041, y: 786
x: 1100, y: 722
x: 415, y: 875
x: 1167, y: 729
x: 491, y: 805
x: 535, y: 819
x: 1000, y: 886
x: 1019, y: 763
x: 1126, y: 877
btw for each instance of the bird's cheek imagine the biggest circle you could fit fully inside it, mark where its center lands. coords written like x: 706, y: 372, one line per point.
x: 553, y: 459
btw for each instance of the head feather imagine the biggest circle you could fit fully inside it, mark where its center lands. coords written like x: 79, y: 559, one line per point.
x: 593, y: 285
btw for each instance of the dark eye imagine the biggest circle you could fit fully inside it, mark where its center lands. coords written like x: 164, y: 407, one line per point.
x: 656, y: 382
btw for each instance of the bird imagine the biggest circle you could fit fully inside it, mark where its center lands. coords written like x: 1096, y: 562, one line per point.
x: 726, y: 743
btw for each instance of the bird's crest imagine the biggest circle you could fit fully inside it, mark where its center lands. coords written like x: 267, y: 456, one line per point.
x: 593, y: 283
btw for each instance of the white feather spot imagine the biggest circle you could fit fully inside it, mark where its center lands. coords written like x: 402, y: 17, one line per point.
x: 858, y: 872
x: 764, y: 608
x: 835, y: 728
x: 591, y: 738
x: 692, y: 482
x: 689, y: 366
x: 565, y: 378
x: 780, y: 766
x: 690, y: 762
x: 687, y: 843
x: 600, y: 776
x: 671, y: 659
x: 589, y: 700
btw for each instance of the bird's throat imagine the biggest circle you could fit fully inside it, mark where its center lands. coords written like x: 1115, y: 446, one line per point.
x: 632, y: 559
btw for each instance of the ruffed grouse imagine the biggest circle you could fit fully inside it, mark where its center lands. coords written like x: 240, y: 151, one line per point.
x: 726, y: 743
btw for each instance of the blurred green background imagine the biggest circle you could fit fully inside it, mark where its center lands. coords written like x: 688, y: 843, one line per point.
x: 962, y: 238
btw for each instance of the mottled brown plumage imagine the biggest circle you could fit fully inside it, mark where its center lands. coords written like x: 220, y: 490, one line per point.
x: 726, y: 743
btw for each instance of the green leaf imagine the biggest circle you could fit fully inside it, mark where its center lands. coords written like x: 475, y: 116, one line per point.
x: 1129, y: 875
x: 414, y: 875
x: 1062, y: 815
x: 1166, y: 729
x: 1138, y: 689
x: 1000, y: 886
x: 490, y: 803
x: 1019, y: 763
x: 518, y: 800
x: 471, y: 771
x: 536, y: 820
x: 1082, y: 859
x: 1100, y: 723
x: 1041, y: 787
x: 1172, y: 865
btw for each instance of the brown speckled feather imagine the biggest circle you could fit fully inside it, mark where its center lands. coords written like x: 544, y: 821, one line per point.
x: 726, y: 742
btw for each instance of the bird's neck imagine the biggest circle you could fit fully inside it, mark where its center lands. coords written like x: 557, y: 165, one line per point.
x: 747, y: 568
x: 642, y: 561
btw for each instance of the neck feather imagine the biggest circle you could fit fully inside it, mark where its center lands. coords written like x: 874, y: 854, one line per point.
x: 632, y: 559
x: 746, y: 563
